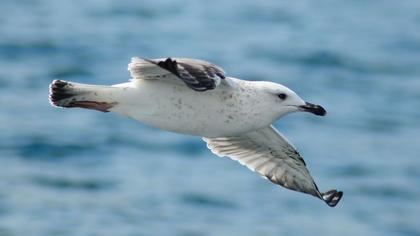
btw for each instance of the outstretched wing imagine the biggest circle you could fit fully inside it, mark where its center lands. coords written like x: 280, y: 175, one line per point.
x: 196, y: 74
x: 269, y: 153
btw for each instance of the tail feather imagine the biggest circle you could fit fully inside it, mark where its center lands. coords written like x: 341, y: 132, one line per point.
x: 332, y: 197
x: 68, y: 94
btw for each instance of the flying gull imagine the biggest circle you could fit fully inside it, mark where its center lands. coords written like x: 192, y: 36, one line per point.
x: 195, y: 97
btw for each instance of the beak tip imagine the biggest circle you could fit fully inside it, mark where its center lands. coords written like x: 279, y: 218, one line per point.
x: 314, y: 109
x: 321, y: 112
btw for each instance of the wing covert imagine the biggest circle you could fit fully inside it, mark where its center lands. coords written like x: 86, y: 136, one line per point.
x: 198, y: 75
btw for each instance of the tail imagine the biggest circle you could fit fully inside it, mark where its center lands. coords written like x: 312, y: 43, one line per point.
x: 332, y: 197
x: 69, y: 94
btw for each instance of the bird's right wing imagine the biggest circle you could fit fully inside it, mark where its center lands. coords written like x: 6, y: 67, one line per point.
x: 269, y: 153
x: 198, y: 75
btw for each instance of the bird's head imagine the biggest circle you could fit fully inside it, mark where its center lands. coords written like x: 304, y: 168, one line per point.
x: 284, y: 100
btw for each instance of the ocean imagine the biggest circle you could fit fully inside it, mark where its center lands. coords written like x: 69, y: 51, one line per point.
x: 80, y: 172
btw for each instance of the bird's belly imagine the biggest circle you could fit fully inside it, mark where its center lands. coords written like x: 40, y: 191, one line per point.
x: 179, y: 109
x: 197, y: 120
x: 198, y: 124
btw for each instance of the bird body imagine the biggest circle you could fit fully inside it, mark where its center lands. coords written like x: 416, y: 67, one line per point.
x: 195, y: 97
x: 177, y: 108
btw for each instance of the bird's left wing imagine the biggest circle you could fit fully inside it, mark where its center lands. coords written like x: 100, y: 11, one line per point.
x: 269, y: 153
x: 198, y: 75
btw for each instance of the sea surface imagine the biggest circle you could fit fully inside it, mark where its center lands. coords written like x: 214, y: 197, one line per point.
x: 75, y: 172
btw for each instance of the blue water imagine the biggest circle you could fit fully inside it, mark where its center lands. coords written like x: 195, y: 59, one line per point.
x: 79, y: 172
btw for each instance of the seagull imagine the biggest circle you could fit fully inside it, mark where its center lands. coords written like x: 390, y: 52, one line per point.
x: 195, y: 97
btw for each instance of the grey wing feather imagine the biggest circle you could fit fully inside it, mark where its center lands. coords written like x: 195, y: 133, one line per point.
x: 196, y: 74
x: 269, y: 153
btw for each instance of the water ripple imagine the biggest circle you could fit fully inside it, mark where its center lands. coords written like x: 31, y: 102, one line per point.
x: 387, y: 191
x: 69, y: 71
x: 13, y: 49
x: 50, y: 150
x: 59, y: 182
x: 330, y: 59
x: 204, y: 200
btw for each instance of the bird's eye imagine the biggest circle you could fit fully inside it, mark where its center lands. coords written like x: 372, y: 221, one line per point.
x: 282, y: 96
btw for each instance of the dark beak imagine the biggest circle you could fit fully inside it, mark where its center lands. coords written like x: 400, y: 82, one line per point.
x: 312, y: 108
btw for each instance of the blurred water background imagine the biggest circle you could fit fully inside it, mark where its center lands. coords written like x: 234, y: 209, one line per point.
x: 80, y: 172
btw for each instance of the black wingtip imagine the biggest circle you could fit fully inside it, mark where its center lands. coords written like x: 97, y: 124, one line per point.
x: 332, y: 197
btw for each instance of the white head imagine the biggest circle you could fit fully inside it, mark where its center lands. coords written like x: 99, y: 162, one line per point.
x: 282, y: 100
